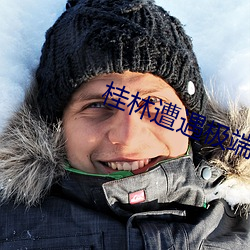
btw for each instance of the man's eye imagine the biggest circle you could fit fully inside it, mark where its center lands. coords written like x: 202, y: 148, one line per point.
x: 152, y: 102
x: 155, y: 99
x: 96, y: 105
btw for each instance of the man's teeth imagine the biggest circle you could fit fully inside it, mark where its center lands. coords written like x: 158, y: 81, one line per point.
x: 131, y: 165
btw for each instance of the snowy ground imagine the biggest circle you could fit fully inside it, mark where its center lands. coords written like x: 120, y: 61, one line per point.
x: 220, y: 31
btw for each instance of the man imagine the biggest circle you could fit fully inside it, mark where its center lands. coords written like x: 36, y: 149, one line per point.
x: 117, y: 145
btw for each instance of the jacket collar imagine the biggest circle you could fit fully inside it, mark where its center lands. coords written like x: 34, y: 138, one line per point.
x: 170, y: 182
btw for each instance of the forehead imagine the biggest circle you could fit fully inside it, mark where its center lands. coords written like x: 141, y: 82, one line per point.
x: 133, y: 82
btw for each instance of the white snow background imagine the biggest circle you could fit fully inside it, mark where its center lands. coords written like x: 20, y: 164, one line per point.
x: 220, y: 30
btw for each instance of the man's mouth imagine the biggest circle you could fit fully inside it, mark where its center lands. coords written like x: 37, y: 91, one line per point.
x: 137, y: 166
x: 128, y: 165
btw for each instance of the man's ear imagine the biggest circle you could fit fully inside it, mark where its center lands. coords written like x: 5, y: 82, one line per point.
x: 190, y: 130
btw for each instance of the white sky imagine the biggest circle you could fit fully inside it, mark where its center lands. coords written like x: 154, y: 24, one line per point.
x: 220, y: 31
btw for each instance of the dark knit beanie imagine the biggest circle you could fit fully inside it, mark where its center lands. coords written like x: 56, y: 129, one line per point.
x: 93, y: 37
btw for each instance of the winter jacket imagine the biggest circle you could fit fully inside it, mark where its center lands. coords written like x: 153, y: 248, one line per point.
x: 184, y: 203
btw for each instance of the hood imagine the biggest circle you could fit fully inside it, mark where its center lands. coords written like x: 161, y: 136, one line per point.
x: 234, y: 160
x: 32, y: 157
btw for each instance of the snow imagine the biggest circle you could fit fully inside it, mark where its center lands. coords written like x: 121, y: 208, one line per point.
x: 221, y: 39
x: 22, y: 29
x: 220, y: 31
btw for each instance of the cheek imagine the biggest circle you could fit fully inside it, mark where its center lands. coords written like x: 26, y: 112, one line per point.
x: 81, y: 141
x: 176, y: 142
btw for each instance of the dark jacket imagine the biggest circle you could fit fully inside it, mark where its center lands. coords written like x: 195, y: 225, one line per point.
x: 175, y: 205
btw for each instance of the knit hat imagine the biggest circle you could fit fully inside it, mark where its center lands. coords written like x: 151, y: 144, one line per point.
x: 94, y: 37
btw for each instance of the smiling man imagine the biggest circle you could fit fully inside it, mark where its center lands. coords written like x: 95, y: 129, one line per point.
x: 103, y: 139
x: 104, y: 152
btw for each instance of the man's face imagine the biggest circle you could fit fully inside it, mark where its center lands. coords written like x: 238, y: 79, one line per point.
x: 102, y: 139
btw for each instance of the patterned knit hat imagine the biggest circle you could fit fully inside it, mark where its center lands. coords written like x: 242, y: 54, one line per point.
x: 94, y: 37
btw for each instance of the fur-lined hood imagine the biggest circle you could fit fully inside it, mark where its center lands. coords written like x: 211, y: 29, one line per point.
x: 32, y: 158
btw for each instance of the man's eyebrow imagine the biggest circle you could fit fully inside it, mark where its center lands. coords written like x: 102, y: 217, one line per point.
x: 149, y: 91
x: 89, y: 96
x: 85, y: 96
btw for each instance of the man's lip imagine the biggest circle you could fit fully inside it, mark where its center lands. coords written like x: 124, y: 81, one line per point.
x: 152, y: 162
x: 121, y: 159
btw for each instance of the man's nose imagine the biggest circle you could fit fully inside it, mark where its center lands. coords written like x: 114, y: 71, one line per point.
x: 127, y: 129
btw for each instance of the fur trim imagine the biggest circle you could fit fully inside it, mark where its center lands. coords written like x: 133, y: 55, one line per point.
x: 31, y: 158
x: 236, y: 187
